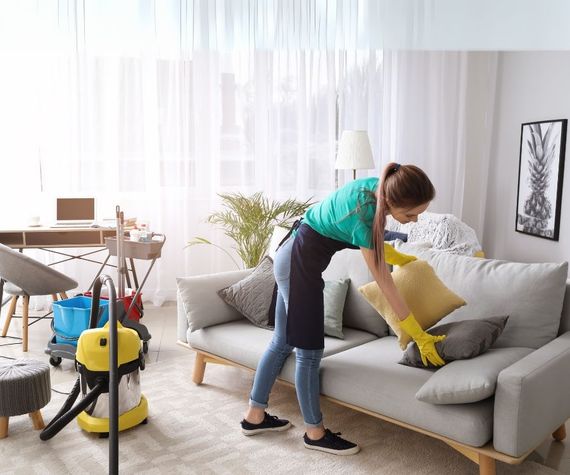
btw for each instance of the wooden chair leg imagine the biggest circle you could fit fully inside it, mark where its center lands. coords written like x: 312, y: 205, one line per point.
x: 63, y: 295
x: 560, y: 433
x: 37, y: 420
x: 54, y: 297
x: 4, y: 427
x: 25, y: 323
x: 10, y: 314
x: 199, y: 368
x: 487, y: 465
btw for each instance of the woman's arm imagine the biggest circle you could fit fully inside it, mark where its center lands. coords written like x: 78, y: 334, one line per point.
x: 384, y: 280
x: 425, y: 341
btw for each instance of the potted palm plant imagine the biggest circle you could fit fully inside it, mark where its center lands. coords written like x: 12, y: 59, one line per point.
x: 249, y: 221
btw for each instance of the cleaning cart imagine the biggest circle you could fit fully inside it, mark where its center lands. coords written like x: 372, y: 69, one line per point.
x: 131, y: 250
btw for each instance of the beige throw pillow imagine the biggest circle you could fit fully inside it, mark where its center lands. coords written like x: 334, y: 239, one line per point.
x: 426, y: 295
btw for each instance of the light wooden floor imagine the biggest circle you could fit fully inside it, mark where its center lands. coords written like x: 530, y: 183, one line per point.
x: 161, y: 322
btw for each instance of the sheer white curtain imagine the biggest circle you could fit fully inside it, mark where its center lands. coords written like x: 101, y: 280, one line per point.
x: 423, y: 119
x: 160, y: 105
x: 437, y: 112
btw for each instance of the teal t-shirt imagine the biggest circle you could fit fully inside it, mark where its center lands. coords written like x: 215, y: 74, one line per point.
x: 346, y: 214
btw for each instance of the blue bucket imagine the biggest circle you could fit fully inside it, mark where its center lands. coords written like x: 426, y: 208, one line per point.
x: 71, y: 317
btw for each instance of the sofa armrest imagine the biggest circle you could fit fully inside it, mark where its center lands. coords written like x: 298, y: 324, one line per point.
x: 532, y: 398
x: 181, y: 320
x: 200, y: 306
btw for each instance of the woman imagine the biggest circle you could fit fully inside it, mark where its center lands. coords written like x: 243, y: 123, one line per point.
x: 352, y: 217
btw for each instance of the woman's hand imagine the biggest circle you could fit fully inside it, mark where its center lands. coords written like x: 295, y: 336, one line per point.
x: 395, y: 258
x: 425, y: 341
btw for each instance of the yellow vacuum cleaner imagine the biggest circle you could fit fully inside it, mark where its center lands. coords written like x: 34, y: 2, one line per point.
x: 92, y: 361
x: 108, y: 360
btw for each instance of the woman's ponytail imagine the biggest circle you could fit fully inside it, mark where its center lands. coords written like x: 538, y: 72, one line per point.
x: 402, y: 186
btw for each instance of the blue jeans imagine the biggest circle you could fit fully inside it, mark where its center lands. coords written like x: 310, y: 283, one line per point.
x: 307, y: 382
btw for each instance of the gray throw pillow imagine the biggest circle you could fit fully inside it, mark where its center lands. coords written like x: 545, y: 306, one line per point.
x: 254, y: 296
x: 334, y: 298
x: 465, y: 339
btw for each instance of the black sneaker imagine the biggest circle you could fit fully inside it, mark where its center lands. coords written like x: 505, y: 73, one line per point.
x: 269, y: 424
x: 332, y: 444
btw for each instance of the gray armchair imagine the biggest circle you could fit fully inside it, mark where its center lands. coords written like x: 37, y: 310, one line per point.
x: 22, y: 276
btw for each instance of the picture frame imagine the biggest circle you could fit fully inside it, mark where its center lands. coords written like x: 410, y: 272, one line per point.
x: 541, y: 173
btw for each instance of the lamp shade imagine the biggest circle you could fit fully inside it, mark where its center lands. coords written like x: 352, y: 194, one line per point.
x: 354, y: 151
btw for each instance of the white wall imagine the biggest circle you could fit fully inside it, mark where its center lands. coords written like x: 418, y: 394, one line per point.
x: 531, y: 86
x: 479, y: 103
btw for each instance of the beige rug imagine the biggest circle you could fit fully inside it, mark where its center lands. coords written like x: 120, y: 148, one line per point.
x: 194, y: 430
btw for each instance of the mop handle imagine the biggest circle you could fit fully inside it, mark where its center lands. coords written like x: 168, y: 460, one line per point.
x: 120, y: 253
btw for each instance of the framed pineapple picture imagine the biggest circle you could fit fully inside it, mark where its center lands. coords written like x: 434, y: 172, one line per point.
x: 541, y: 171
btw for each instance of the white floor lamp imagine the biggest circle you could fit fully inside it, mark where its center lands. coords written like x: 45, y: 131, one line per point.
x: 354, y: 152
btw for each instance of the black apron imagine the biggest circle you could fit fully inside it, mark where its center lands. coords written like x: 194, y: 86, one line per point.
x: 310, y: 256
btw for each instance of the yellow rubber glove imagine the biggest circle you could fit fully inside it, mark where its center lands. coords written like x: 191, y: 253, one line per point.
x: 425, y: 341
x: 395, y: 258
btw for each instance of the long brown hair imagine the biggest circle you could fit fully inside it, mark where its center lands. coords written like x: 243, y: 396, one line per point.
x: 400, y: 186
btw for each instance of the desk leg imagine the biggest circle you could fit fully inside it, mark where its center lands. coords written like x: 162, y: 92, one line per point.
x: 99, y: 272
x: 127, y: 273
x: 139, y: 288
x: 135, y: 278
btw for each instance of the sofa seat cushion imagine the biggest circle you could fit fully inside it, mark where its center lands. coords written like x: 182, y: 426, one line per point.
x: 370, y: 377
x: 227, y: 341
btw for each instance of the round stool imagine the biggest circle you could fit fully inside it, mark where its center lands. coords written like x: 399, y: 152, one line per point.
x: 24, y: 389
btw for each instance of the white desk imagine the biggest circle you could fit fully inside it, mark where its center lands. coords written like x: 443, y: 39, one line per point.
x: 43, y: 237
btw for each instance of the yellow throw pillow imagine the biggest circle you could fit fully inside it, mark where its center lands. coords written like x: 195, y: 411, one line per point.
x: 426, y: 295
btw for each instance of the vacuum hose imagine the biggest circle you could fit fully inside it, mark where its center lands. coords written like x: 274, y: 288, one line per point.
x: 113, y: 366
x: 67, y: 413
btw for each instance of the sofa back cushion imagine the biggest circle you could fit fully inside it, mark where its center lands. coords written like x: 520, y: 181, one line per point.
x: 358, y: 314
x: 530, y: 294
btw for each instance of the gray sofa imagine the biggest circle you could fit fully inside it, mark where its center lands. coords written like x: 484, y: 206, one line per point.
x: 531, y: 399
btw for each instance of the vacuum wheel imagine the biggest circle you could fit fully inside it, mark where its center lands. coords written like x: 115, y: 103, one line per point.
x: 55, y: 360
x: 145, y: 347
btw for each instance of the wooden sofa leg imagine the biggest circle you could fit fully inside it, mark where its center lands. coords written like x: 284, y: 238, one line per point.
x: 199, y: 368
x: 487, y: 465
x: 560, y: 433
